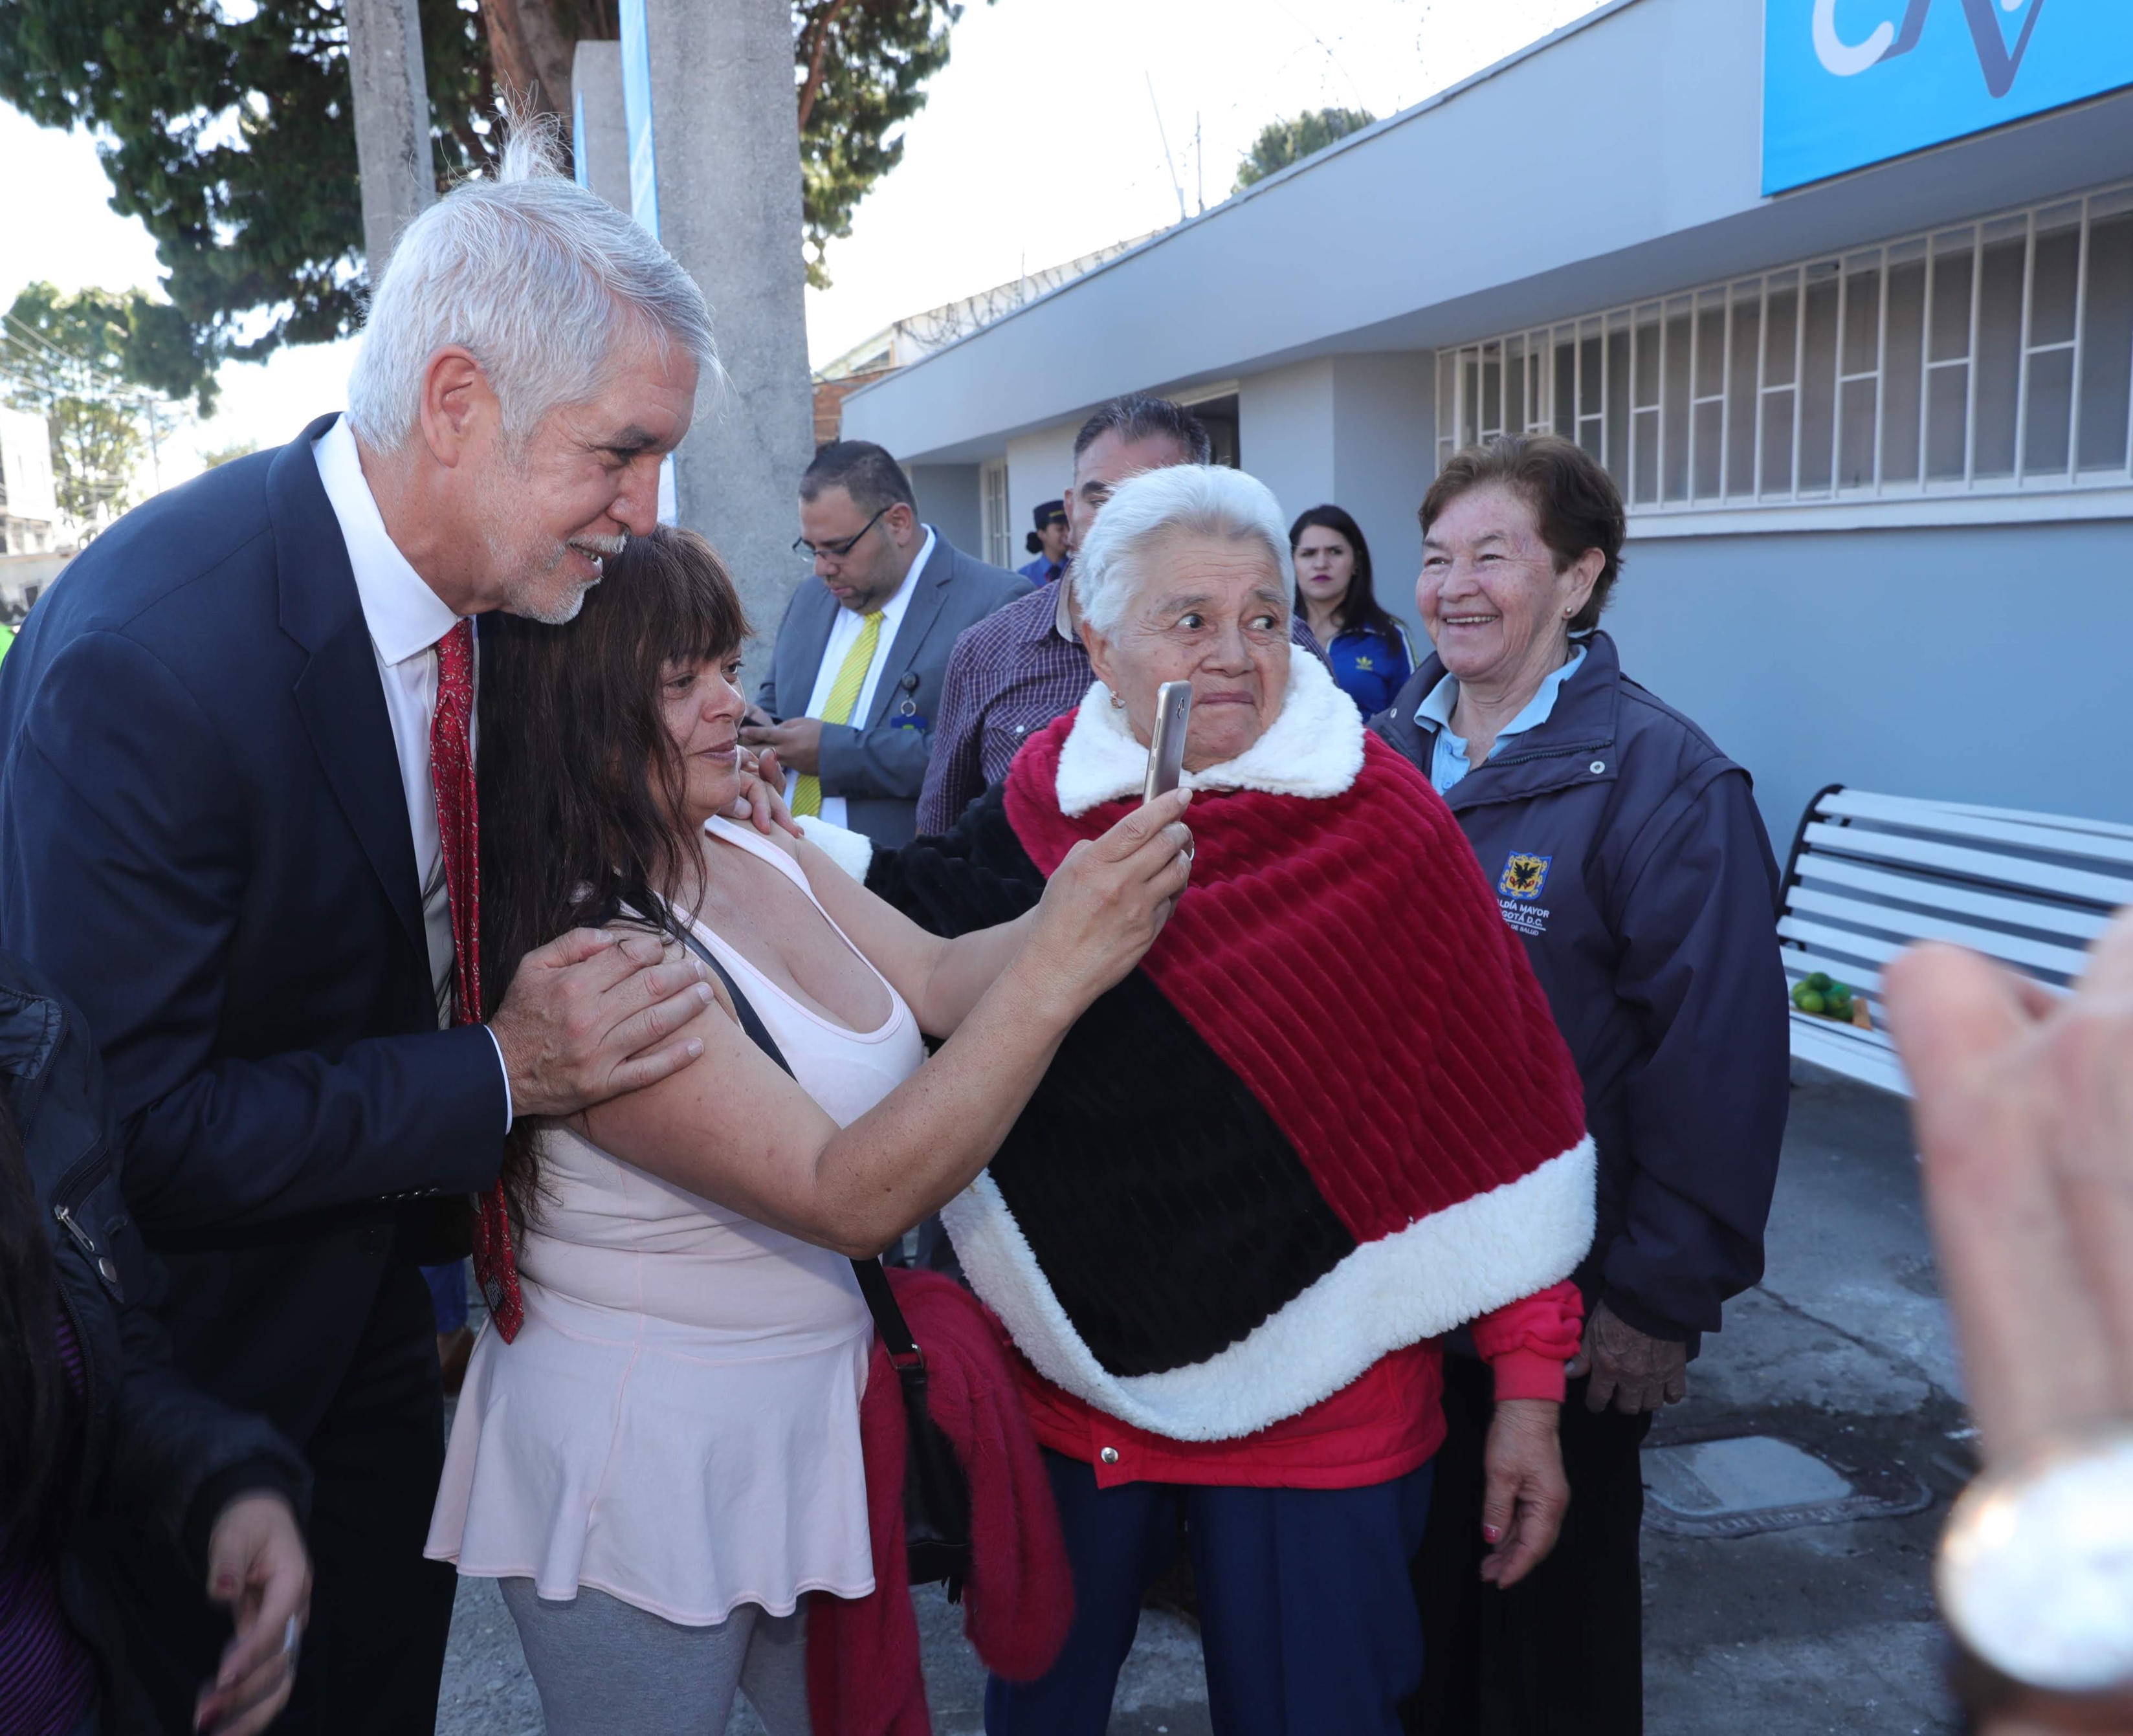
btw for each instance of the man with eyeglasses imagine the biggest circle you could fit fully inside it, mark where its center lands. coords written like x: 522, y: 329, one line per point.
x: 1027, y: 666
x: 854, y: 681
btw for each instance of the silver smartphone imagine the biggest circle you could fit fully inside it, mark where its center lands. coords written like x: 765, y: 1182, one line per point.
x: 1165, y: 749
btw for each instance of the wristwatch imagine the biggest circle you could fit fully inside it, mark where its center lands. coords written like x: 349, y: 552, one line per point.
x: 2035, y: 1573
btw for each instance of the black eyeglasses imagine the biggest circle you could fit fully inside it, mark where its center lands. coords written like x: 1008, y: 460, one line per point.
x: 837, y: 550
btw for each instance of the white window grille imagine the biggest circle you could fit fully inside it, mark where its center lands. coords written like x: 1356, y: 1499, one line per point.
x: 1986, y: 357
x: 999, y: 547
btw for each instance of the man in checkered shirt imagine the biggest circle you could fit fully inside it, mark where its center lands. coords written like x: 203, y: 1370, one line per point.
x: 1023, y: 665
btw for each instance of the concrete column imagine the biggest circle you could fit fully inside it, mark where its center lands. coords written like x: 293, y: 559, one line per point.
x: 600, y: 135
x: 1358, y: 432
x: 950, y: 500
x: 726, y: 148
x: 1384, y: 458
x: 392, y: 122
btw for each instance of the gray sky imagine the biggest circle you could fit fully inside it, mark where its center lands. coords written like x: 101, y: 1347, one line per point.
x: 1038, y: 143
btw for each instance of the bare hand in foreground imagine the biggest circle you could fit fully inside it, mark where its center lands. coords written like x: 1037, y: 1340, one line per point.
x: 1106, y: 903
x: 1633, y: 1369
x: 588, y: 1017
x: 256, y: 1566
x: 762, y: 798
x: 1524, y: 1493
x: 2023, y: 1115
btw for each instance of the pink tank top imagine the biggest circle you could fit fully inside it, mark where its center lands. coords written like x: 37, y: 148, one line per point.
x: 677, y: 1424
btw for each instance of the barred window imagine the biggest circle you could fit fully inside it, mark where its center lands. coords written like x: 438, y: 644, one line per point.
x: 1986, y: 357
x: 1000, y: 534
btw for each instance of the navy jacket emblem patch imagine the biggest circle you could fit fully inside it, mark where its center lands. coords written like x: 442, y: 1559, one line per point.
x: 1524, y: 875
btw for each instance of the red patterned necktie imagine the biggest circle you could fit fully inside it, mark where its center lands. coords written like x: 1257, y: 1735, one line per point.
x: 458, y: 829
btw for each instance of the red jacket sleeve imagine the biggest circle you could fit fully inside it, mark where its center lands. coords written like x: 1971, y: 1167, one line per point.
x: 1527, y: 1342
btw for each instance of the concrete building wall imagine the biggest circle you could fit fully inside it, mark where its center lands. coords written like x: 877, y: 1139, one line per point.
x: 1285, y: 422
x: 1040, y: 466
x: 1983, y: 664
x: 948, y: 500
x: 1394, y: 204
x: 1647, y: 111
x: 1357, y: 431
x: 1963, y: 646
x: 1383, y: 455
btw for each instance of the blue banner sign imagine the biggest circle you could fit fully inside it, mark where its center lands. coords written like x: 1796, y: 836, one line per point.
x: 1846, y: 83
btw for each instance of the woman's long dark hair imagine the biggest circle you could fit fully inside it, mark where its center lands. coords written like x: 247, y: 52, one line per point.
x: 1360, y: 607
x: 582, y: 786
x: 36, y: 1412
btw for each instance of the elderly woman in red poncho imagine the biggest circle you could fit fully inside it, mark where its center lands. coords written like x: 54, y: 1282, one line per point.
x: 1327, y: 1120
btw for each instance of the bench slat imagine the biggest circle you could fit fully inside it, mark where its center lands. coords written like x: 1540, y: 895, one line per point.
x: 1861, y: 979
x: 2053, y: 918
x: 2064, y: 961
x: 1867, y: 803
x: 2027, y: 831
x: 2057, y: 822
x: 1876, y: 1038
x: 1848, y: 1051
x: 2074, y: 885
x: 1840, y: 941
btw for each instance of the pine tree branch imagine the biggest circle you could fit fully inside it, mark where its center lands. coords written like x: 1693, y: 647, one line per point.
x: 822, y: 34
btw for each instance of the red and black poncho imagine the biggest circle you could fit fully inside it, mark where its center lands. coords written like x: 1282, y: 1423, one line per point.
x: 1329, y: 1115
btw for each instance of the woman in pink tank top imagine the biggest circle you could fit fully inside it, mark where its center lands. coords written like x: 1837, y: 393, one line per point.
x: 663, y: 1462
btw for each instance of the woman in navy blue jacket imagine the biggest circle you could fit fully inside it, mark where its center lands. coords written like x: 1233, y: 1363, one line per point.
x: 1367, y: 649
x: 1627, y: 853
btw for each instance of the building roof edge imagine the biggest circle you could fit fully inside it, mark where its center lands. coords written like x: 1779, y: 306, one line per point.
x: 1280, y: 177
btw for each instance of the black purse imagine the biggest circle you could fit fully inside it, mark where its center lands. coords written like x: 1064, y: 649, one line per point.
x: 936, y: 1496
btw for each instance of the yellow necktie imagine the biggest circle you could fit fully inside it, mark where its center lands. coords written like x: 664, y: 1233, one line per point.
x: 837, y: 708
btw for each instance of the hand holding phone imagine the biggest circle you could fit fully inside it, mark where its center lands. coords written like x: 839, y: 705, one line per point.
x: 1166, y: 747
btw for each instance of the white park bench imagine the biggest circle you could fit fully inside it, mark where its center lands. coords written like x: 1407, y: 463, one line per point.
x: 1870, y: 875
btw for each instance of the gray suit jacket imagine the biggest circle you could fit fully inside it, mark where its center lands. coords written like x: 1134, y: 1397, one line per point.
x: 877, y: 763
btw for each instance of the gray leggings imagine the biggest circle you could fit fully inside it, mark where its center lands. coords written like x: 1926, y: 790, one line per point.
x: 603, y: 1666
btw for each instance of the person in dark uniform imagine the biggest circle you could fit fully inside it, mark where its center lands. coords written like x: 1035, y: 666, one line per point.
x: 1048, y: 542
x: 1626, y: 851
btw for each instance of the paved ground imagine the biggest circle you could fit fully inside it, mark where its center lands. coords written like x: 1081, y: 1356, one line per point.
x: 1843, y: 1349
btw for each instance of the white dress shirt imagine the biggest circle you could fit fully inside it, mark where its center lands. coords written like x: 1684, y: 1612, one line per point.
x: 405, y: 619
x: 844, y: 634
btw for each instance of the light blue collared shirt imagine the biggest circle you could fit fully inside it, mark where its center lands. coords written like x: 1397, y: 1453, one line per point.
x: 1448, y: 763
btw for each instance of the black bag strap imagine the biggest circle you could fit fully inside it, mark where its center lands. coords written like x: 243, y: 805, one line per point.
x: 751, y: 1020
x: 873, y: 1282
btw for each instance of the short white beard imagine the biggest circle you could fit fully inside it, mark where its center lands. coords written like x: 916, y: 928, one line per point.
x: 530, y: 587
x: 549, y: 611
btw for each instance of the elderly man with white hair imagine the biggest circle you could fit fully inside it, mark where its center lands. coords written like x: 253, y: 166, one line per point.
x: 1325, y: 1120
x: 238, y: 826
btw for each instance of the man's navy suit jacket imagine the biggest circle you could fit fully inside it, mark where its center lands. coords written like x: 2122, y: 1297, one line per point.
x: 203, y: 841
x: 879, y: 766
